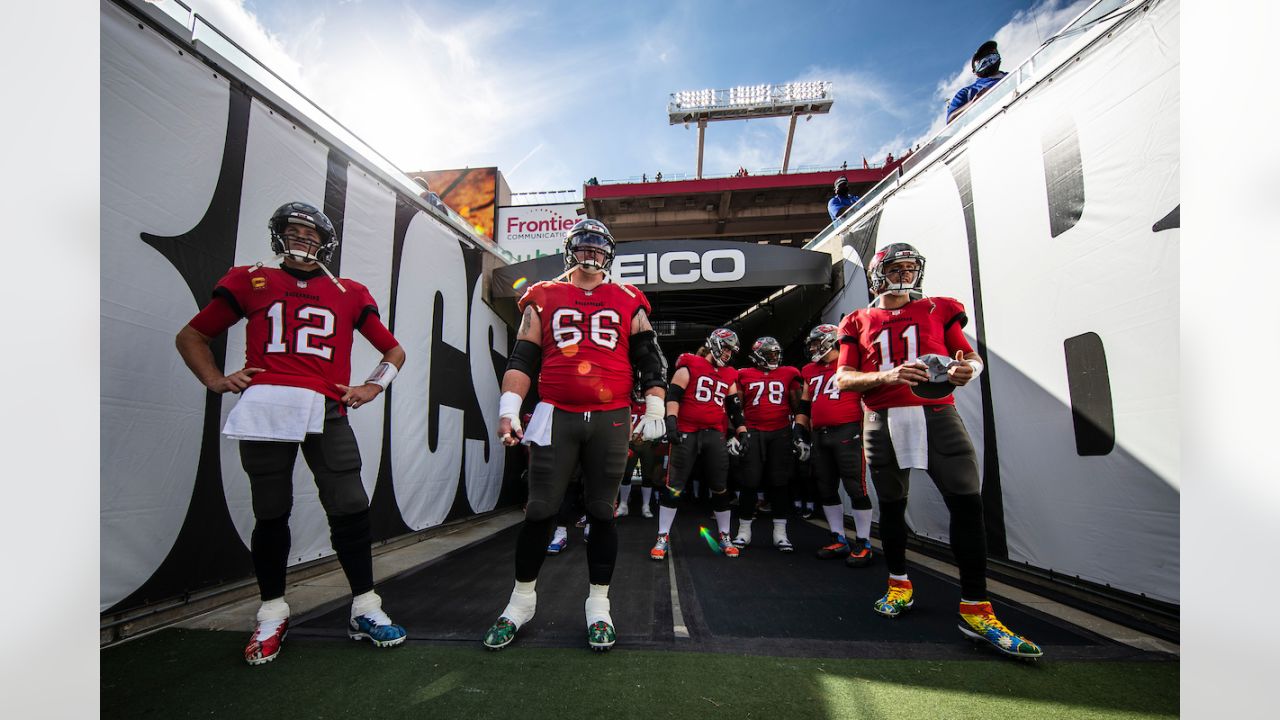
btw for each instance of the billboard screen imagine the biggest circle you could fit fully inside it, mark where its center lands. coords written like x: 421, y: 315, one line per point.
x: 470, y: 192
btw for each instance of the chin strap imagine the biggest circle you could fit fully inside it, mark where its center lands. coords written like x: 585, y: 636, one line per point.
x: 279, y: 258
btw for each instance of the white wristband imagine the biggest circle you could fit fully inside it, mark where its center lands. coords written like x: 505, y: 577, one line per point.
x: 654, y: 407
x: 382, y: 375
x: 976, y: 365
x: 509, y: 406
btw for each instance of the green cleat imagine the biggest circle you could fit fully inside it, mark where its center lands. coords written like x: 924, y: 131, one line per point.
x: 500, y: 635
x: 601, y: 636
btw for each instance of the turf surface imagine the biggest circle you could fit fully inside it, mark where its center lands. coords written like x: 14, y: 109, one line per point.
x: 188, y: 673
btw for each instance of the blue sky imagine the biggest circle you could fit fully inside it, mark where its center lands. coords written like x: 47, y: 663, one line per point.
x: 555, y: 92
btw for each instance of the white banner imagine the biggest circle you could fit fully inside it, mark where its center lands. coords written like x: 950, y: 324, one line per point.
x: 1071, y: 197
x: 530, y: 231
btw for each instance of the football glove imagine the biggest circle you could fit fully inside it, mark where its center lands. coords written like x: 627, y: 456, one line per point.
x: 652, y: 426
x: 800, y: 441
x: 738, y: 445
x: 672, y: 436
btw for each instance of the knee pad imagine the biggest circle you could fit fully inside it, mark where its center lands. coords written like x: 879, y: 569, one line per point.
x: 669, y: 498
x: 598, y: 520
x: 352, y: 531
x: 538, y: 511
x: 720, y: 501
x: 862, y: 502
x: 599, y: 509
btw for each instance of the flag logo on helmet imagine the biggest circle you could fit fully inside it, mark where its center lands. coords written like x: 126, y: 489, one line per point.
x: 300, y: 213
x: 589, y: 233
x: 766, y: 353
x: 821, y: 340
x: 723, y: 344
x: 888, y: 255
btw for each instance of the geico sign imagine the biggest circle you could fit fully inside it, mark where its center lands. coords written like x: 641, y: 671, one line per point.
x: 681, y: 266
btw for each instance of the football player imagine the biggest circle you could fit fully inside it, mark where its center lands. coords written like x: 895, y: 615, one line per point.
x: 586, y: 340
x: 648, y: 455
x: 829, y: 427
x: 293, y: 391
x: 905, y: 353
x: 770, y: 393
x: 703, y: 388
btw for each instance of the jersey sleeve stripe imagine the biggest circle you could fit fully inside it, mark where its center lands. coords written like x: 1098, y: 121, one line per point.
x: 226, y: 295
x: 364, y: 315
x: 959, y: 317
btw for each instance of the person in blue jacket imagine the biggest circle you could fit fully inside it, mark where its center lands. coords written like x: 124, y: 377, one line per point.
x: 842, y: 201
x: 986, y: 65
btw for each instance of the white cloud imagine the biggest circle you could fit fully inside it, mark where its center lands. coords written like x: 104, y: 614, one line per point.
x: 424, y: 92
x: 232, y: 19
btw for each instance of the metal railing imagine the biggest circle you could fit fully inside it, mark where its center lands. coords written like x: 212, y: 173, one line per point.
x: 762, y: 172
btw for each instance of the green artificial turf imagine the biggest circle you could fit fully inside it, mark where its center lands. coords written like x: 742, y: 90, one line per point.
x: 178, y: 674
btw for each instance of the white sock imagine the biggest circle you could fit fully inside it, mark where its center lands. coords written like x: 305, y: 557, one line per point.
x: 835, y: 517
x: 276, y: 609
x: 645, y: 494
x: 561, y: 532
x: 523, y: 603
x: 598, y: 605
x: 780, y: 523
x: 624, y: 494
x: 666, y: 516
x: 365, y: 604
x: 722, y: 521
x: 899, y: 577
x: 862, y: 523
x: 797, y: 504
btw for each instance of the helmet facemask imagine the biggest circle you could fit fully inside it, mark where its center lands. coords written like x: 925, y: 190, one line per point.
x: 766, y: 354
x: 303, y: 215
x: 589, y: 234
x: 820, y: 342
x: 723, y: 345
x: 885, y: 259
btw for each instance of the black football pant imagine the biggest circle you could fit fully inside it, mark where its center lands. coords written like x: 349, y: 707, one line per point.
x: 703, y: 452
x: 769, y: 461
x: 598, y: 442
x: 334, y: 459
x: 837, y: 460
x: 953, y: 467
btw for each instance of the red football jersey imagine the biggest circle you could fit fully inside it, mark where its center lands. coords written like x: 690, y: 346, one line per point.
x: 702, y: 406
x: 586, y: 341
x: 828, y: 405
x: 300, y: 326
x: 875, y: 340
x: 766, y: 396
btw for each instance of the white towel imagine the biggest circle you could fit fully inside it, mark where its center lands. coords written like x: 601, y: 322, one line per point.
x: 910, y: 439
x: 275, y: 412
x: 539, y: 430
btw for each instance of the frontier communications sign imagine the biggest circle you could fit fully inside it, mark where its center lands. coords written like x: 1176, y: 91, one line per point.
x: 533, y: 231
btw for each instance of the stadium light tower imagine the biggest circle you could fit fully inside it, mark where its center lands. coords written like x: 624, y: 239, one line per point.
x: 749, y: 101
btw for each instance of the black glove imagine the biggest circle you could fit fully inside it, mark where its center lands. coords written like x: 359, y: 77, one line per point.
x: 673, y: 436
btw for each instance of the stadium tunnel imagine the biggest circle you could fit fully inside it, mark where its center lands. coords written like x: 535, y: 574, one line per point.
x: 696, y: 285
